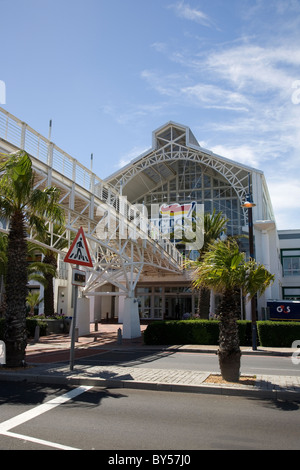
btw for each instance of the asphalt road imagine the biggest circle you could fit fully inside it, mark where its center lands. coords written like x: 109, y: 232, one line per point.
x: 40, y: 417
x: 250, y: 364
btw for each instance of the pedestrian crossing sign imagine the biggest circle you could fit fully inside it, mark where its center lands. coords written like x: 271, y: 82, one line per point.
x: 79, y: 251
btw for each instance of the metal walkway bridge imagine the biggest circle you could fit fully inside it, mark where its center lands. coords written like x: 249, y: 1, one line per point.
x: 122, y: 242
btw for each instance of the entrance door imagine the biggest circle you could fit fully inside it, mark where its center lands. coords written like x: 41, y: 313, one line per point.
x: 176, y: 307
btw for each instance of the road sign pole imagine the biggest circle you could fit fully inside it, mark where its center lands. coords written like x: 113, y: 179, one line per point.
x: 72, y: 350
x: 78, y: 254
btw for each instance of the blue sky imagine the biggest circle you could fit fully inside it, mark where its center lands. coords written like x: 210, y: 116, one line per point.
x: 109, y: 72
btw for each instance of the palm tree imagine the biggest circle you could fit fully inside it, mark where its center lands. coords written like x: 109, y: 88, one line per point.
x: 50, y: 258
x: 214, y: 226
x: 25, y: 207
x: 36, y: 270
x: 225, y: 270
x: 3, y: 267
x: 33, y: 300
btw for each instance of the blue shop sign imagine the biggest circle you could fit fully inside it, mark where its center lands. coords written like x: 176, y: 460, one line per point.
x: 284, y: 310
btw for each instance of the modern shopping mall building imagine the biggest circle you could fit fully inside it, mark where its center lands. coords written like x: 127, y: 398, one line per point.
x: 177, y: 171
x: 175, y: 176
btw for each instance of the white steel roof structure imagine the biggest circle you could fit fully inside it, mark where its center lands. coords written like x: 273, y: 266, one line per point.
x: 173, y: 142
x: 116, y: 231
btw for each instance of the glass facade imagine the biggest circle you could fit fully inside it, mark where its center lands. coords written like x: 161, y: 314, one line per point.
x: 167, y: 302
x: 190, y: 181
x: 291, y: 293
x: 290, y: 262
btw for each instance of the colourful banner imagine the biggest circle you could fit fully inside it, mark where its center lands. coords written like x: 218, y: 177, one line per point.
x: 177, y: 209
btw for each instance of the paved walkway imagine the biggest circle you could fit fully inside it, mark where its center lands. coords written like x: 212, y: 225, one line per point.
x: 48, y: 361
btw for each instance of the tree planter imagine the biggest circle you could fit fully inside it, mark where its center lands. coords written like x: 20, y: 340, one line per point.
x: 54, y: 326
x: 230, y: 366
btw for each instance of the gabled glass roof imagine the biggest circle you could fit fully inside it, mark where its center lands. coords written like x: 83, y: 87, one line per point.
x: 170, y: 143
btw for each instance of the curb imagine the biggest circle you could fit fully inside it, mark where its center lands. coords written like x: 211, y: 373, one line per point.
x: 245, y: 352
x: 222, y: 390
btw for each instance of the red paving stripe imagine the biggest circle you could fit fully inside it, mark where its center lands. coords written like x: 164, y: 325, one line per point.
x: 60, y: 356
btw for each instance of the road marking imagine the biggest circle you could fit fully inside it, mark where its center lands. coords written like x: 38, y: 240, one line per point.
x: 37, y: 441
x: 38, y: 410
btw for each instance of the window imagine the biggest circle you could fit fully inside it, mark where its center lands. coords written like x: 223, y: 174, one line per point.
x: 291, y: 293
x: 291, y: 262
x: 191, y: 181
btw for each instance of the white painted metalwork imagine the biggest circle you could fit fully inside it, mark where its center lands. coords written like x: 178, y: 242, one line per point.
x: 117, y: 231
x: 173, y: 142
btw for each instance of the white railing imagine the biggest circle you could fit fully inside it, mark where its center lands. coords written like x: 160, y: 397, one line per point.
x: 22, y: 136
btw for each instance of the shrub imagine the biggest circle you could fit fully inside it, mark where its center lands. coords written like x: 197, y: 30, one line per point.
x: 205, y: 332
x: 278, y: 334
x: 31, y: 323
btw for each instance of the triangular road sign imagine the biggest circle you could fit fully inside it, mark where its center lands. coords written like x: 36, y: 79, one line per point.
x: 79, y: 251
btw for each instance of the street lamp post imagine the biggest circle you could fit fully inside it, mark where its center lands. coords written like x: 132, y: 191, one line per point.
x: 249, y: 204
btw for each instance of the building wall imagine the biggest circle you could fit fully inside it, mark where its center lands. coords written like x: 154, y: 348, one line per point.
x: 290, y: 257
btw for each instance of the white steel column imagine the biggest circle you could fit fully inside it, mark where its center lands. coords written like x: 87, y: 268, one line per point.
x: 131, y: 319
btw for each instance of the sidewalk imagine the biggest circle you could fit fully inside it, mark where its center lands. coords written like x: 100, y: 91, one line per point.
x: 48, y: 362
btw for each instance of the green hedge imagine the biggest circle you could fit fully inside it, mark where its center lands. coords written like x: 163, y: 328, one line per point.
x: 31, y: 323
x: 205, y: 332
x: 278, y: 334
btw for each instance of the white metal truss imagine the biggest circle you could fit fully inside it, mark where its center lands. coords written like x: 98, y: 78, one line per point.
x: 117, y: 232
x: 175, y: 142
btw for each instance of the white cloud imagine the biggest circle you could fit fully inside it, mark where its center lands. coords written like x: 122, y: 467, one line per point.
x: 285, y: 197
x: 131, y: 155
x: 132, y: 112
x: 217, y: 97
x: 279, y: 188
x: 244, y: 154
x: 155, y: 81
x: 159, y: 46
x: 255, y: 68
x: 184, y: 10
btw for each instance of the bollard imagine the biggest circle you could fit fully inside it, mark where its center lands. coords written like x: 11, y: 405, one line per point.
x: 96, y: 326
x: 76, y: 334
x: 37, y: 334
x: 119, y: 336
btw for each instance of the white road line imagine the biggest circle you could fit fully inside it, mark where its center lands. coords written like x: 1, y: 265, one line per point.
x: 38, y: 410
x: 37, y: 441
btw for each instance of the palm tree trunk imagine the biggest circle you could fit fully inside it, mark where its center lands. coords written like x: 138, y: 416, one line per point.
x: 204, y: 303
x: 229, y: 345
x: 16, y: 291
x: 48, y: 291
